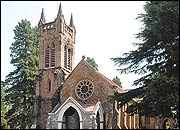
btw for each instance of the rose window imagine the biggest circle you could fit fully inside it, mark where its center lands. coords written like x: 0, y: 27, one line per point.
x: 84, y: 89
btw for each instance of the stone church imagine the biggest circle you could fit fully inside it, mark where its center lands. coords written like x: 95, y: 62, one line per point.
x: 69, y: 97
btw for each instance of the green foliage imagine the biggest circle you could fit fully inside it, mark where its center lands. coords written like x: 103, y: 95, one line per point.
x: 161, y: 95
x: 92, y: 62
x: 117, y: 81
x: 157, y: 58
x: 3, y: 108
x: 21, y: 82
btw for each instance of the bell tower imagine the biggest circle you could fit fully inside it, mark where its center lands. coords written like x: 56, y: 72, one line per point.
x: 56, y: 60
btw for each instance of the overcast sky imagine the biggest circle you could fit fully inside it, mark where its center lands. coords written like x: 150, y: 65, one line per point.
x: 104, y: 29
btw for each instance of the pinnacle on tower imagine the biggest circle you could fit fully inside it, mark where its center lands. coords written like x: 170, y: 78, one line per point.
x: 60, y: 10
x: 71, y: 21
x: 43, y: 16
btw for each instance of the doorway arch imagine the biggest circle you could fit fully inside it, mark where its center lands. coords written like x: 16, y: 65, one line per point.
x: 63, y: 115
x: 71, y: 119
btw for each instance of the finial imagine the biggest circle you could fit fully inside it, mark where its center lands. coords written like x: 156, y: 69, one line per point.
x: 83, y: 57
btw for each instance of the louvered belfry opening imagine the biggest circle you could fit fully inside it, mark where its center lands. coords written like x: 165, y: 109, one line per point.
x: 65, y: 56
x: 69, y: 59
x: 53, y: 55
x: 47, y: 57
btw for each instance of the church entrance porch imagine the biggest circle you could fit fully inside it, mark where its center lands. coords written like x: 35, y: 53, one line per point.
x: 74, y: 115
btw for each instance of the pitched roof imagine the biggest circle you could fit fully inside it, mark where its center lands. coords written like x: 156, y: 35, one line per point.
x: 88, y: 107
x: 117, y: 87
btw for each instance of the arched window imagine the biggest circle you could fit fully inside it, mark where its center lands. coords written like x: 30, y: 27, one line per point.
x: 53, y: 55
x: 69, y: 59
x: 98, y: 120
x: 49, y: 85
x: 65, y: 56
x: 47, y: 57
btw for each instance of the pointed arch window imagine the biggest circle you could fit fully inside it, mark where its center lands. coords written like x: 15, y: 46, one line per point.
x: 65, y: 56
x: 53, y: 55
x: 47, y: 57
x: 98, y: 120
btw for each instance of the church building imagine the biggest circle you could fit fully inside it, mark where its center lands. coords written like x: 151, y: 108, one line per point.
x: 76, y: 97
x: 67, y: 96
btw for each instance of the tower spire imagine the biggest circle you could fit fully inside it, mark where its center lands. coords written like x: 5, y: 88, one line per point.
x: 60, y: 10
x: 43, y: 16
x: 71, y: 22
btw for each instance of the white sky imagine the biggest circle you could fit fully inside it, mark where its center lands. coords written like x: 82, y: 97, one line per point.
x: 104, y: 29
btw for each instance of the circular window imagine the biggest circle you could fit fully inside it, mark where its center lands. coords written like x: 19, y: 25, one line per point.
x: 84, y: 89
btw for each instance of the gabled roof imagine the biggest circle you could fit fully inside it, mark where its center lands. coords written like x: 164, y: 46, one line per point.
x: 58, y: 107
x: 118, y: 88
x: 87, y: 106
x: 84, y: 107
x: 112, y: 84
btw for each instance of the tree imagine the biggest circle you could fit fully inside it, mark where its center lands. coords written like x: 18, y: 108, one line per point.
x: 157, y: 57
x: 117, y: 81
x: 21, y: 82
x: 92, y: 62
x: 3, y: 108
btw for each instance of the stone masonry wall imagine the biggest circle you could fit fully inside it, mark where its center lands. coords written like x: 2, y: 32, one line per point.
x: 102, y: 88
